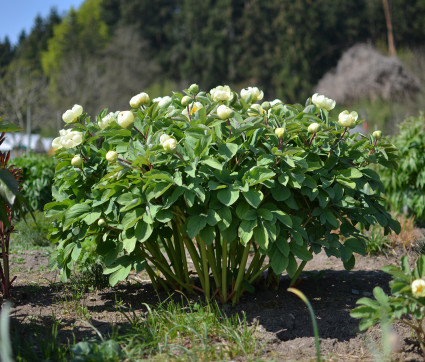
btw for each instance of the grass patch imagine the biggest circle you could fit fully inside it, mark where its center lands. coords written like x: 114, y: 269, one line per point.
x: 31, y: 232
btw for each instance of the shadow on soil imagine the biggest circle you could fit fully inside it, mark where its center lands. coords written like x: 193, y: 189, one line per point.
x: 333, y: 295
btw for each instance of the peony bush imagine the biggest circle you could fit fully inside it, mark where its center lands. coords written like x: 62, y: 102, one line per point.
x: 207, y: 191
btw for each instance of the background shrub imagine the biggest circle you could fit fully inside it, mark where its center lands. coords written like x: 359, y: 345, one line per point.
x: 37, y: 179
x: 405, y: 186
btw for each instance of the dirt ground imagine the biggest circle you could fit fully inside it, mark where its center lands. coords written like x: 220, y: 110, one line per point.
x: 284, y: 325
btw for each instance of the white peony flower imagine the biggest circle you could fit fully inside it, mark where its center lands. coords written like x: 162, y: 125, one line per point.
x: 253, y: 94
x: 418, y: 288
x: 224, y: 112
x: 57, y: 143
x: 221, y: 93
x: 72, y: 139
x: 125, y: 118
x: 321, y: 101
x: 346, y: 119
x: 193, y: 108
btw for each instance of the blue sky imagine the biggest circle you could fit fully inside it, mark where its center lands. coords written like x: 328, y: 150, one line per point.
x: 18, y: 15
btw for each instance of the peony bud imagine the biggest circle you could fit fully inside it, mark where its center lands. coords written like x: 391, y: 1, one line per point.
x: 169, y: 145
x: 186, y: 100
x: 266, y: 106
x: 418, y: 288
x: 69, y: 116
x: 163, y: 138
x: 101, y: 222
x: 346, y: 119
x: 314, y: 128
x: 194, y: 88
x: 377, y: 134
x: 224, y: 112
x: 125, y: 118
x: 254, y: 110
x: 78, y: 110
x: 139, y: 99
x: 76, y: 161
x: 111, y: 156
x: 279, y: 132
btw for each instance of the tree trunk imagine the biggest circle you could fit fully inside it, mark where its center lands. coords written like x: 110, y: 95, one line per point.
x: 391, y: 46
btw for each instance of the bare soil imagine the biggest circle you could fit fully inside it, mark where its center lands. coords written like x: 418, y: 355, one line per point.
x: 283, y: 322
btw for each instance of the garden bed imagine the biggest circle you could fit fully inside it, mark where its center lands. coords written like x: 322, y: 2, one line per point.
x: 283, y: 326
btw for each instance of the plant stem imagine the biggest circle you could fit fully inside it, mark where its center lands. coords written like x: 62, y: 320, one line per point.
x: 224, y: 272
x: 241, y: 273
x: 213, y: 265
x: 205, y: 268
x: 256, y: 275
x: 297, y: 273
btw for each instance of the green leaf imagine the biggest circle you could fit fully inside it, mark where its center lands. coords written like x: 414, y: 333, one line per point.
x: 75, y: 212
x: 8, y: 187
x: 351, y: 173
x: 261, y: 236
x: 228, y: 150
x: 119, y: 275
x: 195, y: 224
x: 142, y: 231
x: 253, y: 197
x: 228, y: 196
x: 301, y: 251
x: 92, y: 217
x: 208, y: 234
x: 369, y: 302
x: 363, y: 312
x: 258, y: 175
x: 279, y: 262
x: 284, y: 218
x: 129, y: 244
x: 211, y: 162
x: 350, y: 263
x: 380, y: 295
x: 357, y: 245
x: 245, y: 230
x: 292, y: 266
x: 245, y: 212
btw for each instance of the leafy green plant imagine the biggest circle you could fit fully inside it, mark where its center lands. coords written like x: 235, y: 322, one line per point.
x: 37, y: 179
x: 405, y: 186
x: 405, y: 304
x: 218, y: 176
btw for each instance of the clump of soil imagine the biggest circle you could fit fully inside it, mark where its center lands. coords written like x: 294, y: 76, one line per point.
x: 283, y: 322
